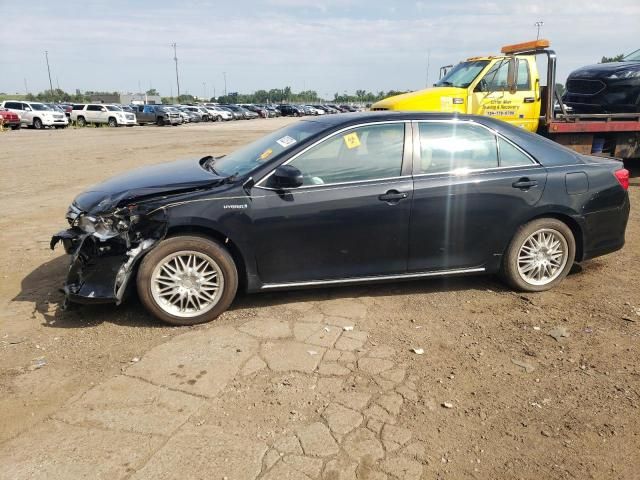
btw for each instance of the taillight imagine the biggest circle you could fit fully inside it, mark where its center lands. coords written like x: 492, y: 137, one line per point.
x: 623, y: 177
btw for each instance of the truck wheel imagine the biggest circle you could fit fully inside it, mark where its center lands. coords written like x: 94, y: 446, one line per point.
x: 160, y: 121
x: 539, y: 256
x: 113, y: 122
x: 187, y: 280
x: 81, y: 122
x: 37, y: 123
x: 218, y: 118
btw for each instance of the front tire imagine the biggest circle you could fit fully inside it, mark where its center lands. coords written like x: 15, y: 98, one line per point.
x: 113, y: 122
x: 160, y: 121
x: 81, y: 122
x: 539, y: 256
x: 37, y: 124
x: 187, y: 280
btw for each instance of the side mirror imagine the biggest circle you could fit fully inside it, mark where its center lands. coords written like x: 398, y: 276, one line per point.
x: 27, y: 109
x: 103, y: 109
x: 512, y: 76
x: 286, y: 176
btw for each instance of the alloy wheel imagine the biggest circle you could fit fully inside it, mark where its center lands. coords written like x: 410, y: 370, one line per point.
x: 187, y: 283
x: 542, y: 257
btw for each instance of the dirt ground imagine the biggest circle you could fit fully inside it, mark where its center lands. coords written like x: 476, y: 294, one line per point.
x: 495, y: 395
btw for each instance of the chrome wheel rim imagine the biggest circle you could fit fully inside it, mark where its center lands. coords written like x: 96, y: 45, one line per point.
x: 187, y: 283
x: 542, y: 257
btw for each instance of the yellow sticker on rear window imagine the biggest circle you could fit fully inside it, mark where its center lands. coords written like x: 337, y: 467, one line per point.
x: 266, y: 154
x: 352, y: 140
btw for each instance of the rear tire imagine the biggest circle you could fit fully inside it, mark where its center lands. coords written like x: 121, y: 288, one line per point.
x: 175, y: 289
x: 37, y: 123
x: 539, y: 256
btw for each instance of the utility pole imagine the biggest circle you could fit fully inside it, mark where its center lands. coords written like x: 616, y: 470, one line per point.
x: 46, y: 56
x: 539, y: 24
x: 204, y: 89
x: 428, y: 61
x: 26, y: 89
x: 224, y: 75
x: 175, y: 59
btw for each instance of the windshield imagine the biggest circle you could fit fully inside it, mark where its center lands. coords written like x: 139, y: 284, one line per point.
x: 463, y: 74
x: 632, y: 57
x: 113, y: 108
x: 39, y: 107
x: 255, y: 154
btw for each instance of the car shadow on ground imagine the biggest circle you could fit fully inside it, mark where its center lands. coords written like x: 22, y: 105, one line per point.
x: 41, y: 287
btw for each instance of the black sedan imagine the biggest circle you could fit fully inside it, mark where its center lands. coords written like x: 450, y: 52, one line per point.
x: 606, y: 87
x: 345, y: 199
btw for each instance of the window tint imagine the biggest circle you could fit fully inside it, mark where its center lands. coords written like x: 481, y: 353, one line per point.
x: 363, y: 153
x: 450, y: 146
x: 523, y: 75
x: 78, y: 107
x: 94, y: 108
x: 510, y: 156
x: 14, y: 105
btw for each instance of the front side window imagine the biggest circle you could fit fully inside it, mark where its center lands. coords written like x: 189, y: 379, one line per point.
x: 496, y: 79
x: 454, y: 146
x: 363, y: 153
x: 39, y: 107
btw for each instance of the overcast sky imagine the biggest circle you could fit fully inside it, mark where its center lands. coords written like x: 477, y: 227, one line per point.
x: 326, y: 45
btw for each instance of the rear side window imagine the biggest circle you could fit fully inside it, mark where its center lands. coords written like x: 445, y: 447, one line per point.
x: 77, y: 107
x: 511, y: 156
x: 14, y: 105
x: 524, y: 84
x: 447, y: 147
x: 94, y: 108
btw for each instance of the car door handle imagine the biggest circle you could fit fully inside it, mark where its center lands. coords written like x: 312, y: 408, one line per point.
x: 392, y: 196
x: 524, y: 184
x: 529, y: 100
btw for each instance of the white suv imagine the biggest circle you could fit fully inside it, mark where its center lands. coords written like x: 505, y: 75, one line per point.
x: 36, y: 115
x: 217, y: 113
x: 96, y: 113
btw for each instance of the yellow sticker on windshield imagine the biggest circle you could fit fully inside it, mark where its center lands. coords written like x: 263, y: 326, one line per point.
x: 352, y: 140
x: 266, y: 154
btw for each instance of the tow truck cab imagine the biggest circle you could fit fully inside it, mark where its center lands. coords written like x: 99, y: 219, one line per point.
x: 505, y: 86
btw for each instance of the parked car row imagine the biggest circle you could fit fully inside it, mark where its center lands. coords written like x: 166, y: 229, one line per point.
x: 14, y: 114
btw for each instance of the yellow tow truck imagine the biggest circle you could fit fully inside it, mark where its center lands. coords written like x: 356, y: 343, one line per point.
x: 508, y: 87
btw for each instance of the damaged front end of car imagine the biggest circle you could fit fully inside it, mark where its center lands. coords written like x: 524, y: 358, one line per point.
x: 105, y: 249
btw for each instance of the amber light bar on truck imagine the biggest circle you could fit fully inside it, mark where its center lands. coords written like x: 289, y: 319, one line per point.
x: 526, y: 46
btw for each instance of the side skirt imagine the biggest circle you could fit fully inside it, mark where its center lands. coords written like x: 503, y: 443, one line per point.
x: 378, y: 278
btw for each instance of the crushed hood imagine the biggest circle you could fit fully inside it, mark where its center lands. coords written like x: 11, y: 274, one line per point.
x: 156, y: 180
